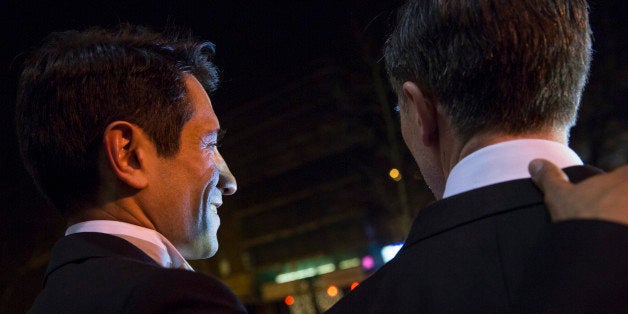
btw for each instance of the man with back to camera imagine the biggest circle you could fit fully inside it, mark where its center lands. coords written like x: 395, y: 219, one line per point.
x: 484, y: 88
x: 119, y: 133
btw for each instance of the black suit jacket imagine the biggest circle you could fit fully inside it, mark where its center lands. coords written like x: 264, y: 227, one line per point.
x: 101, y: 273
x: 472, y: 253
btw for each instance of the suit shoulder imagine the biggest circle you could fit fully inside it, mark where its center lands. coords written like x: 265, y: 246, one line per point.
x: 181, y: 291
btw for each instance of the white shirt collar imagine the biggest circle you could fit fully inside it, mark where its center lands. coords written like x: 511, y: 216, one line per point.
x: 505, y: 161
x: 149, y: 241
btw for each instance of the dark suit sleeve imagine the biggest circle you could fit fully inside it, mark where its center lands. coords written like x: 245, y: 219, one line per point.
x: 581, y: 267
x: 179, y: 291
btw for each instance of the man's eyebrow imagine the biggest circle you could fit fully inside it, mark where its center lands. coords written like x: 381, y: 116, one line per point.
x: 220, y: 133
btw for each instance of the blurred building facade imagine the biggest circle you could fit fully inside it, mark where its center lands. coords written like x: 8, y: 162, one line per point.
x: 315, y: 191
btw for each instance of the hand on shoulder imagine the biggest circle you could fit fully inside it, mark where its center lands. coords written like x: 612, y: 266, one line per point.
x: 602, y: 197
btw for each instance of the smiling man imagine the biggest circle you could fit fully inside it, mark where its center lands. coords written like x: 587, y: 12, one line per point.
x: 118, y: 131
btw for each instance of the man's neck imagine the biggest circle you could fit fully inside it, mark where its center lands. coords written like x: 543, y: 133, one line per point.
x: 119, y: 210
x: 459, y: 150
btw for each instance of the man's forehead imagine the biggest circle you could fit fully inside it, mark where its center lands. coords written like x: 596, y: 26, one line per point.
x: 195, y: 88
x: 199, y: 100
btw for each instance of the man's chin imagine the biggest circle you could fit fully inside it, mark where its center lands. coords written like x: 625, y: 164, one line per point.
x: 195, y: 252
x: 213, y: 250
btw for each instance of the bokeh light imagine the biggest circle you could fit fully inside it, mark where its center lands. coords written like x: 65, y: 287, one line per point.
x: 332, y: 291
x: 289, y: 300
x: 368, y: 262
x: 354, y: 285
x: 395, y: 174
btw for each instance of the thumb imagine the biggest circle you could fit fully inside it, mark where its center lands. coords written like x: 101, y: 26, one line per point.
x: 554, y: 183
x: 547, y: 176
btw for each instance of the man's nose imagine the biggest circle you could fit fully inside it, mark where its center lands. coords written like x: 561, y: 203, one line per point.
x: 226, y: 181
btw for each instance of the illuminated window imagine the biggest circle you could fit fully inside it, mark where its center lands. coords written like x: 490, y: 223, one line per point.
x: 349, y: 263
x: 296, y: 275
x: 326, y: 268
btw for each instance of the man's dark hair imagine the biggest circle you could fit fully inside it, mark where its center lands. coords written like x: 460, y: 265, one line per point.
x: 494, y: 65
x: 77, y: 83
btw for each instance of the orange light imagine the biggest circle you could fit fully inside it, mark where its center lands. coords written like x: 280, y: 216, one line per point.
x: 332, y: 291
x: 354, y: 285
x: 395, y: 174
x: 289, y: 300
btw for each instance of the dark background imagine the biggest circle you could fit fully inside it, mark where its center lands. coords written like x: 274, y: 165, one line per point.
x: 261, y: 49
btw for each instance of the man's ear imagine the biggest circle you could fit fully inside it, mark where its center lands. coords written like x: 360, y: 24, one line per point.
x: 426, y: 111
x: 123, y: 143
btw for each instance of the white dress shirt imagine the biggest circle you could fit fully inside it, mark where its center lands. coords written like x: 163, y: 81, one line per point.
x: 149, y: 241
x: 505, y: 161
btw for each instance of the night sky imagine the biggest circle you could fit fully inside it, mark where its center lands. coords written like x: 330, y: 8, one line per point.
x: 260, y: 47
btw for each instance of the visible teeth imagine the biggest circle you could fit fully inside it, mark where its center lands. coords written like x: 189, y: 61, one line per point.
x: 213, y: 208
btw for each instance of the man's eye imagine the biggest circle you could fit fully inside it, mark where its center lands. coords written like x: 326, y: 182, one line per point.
x: 214, y: 140
x: 212, y: 144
